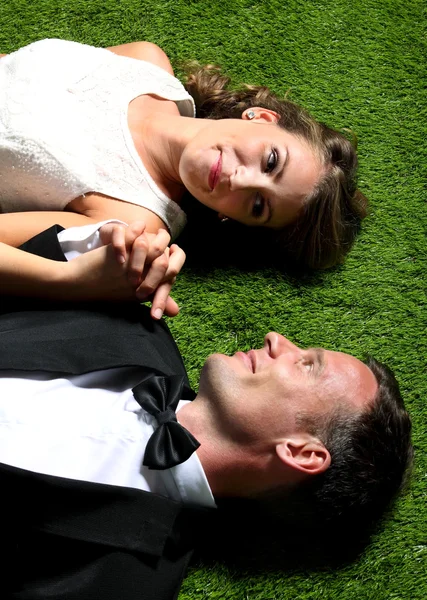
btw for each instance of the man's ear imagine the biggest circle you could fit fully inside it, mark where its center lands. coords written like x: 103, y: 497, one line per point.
x: 306, y: 454
x: 261, y: 115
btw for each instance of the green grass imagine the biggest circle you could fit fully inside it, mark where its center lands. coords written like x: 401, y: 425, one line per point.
x: 353, y: 63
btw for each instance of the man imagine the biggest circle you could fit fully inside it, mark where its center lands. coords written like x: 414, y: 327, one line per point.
x: 88, y: 394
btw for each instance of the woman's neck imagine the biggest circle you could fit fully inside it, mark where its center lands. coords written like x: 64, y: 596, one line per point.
x: 160, y: 139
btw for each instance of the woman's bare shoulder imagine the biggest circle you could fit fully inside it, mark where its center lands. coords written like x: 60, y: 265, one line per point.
x: 144, y: 51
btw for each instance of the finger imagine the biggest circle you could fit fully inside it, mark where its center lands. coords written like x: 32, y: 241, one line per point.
x: 158, y: 244
x: 171, y: 308
x: 137, y: 260
x: 176, y: 261
x: 105, y: 233
x: 134, y: 230
x: 118, y: 242
x: 163, y: 303
x: 154, y: 276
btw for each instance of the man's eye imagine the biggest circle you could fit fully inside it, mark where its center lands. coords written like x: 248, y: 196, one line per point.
x: 271, y: 161
x: 308, y: 365
x: 258, y: 206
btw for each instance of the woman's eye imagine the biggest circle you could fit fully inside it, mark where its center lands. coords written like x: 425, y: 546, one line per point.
x: 258, y: 207
x: 271, y: 161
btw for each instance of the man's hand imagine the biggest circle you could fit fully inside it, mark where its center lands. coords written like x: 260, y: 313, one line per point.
x: 150, y: 264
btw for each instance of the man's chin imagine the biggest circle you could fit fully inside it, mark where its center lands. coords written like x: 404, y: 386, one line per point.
x: 214, y: 359
x: 215, y: 372
x: 212, y: 362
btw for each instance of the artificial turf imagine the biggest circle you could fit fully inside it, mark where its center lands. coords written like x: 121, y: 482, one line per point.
x: 358, y: 64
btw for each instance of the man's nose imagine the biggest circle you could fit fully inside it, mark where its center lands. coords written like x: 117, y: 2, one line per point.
x: 277, y: 344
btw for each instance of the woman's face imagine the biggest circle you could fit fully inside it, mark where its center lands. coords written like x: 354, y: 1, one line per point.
x: 254, y: 172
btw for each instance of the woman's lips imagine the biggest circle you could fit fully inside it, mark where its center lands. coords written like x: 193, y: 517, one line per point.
x: 215, y: 172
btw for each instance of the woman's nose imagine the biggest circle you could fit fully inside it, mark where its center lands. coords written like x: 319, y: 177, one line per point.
x: 243, y: 178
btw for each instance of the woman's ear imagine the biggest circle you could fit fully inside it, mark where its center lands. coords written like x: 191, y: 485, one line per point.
x: 261, y: 115
x: 307, y: 455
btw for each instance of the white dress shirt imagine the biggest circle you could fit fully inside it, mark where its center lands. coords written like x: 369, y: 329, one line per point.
x: 88, y: 427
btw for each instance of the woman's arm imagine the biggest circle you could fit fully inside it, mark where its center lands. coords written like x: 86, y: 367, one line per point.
x: 26, y: 274
x: 17, y: 228
x: 148, y: 271
x: 95, y: 275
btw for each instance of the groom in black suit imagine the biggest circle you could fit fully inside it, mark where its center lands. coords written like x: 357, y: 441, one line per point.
x: 263, y: 425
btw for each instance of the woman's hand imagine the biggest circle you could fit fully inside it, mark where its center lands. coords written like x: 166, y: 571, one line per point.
x: 151, y: 266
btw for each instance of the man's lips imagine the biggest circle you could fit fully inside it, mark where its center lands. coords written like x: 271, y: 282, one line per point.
x: 248, y: 358
x: 215, y: 172
x: 252, y: 357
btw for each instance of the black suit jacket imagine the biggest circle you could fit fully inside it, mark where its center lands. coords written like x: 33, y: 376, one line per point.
x: 73, y: 540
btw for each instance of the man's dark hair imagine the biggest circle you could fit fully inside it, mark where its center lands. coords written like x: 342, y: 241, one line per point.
x: 337, y: 511
x: 371, y: 455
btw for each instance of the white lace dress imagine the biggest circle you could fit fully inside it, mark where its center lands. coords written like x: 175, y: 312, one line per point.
x: 64, y: 129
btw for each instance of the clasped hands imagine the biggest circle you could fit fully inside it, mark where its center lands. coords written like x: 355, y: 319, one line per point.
x: 132, y: 265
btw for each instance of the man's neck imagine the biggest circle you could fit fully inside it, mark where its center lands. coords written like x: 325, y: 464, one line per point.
x: 232, y: 469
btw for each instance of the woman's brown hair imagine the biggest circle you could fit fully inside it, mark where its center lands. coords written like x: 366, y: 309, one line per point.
x: 327, y: 226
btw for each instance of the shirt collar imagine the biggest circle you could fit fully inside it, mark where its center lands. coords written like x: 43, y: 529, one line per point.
x: 187, y: 482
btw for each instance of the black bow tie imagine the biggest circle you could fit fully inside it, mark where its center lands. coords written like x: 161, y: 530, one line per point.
x: 170, y: 444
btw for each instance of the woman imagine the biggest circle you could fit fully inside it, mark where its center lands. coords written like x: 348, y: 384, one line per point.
x: 98, y: 135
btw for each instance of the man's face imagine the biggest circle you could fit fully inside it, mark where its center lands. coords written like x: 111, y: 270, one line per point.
x: 257, y: 396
